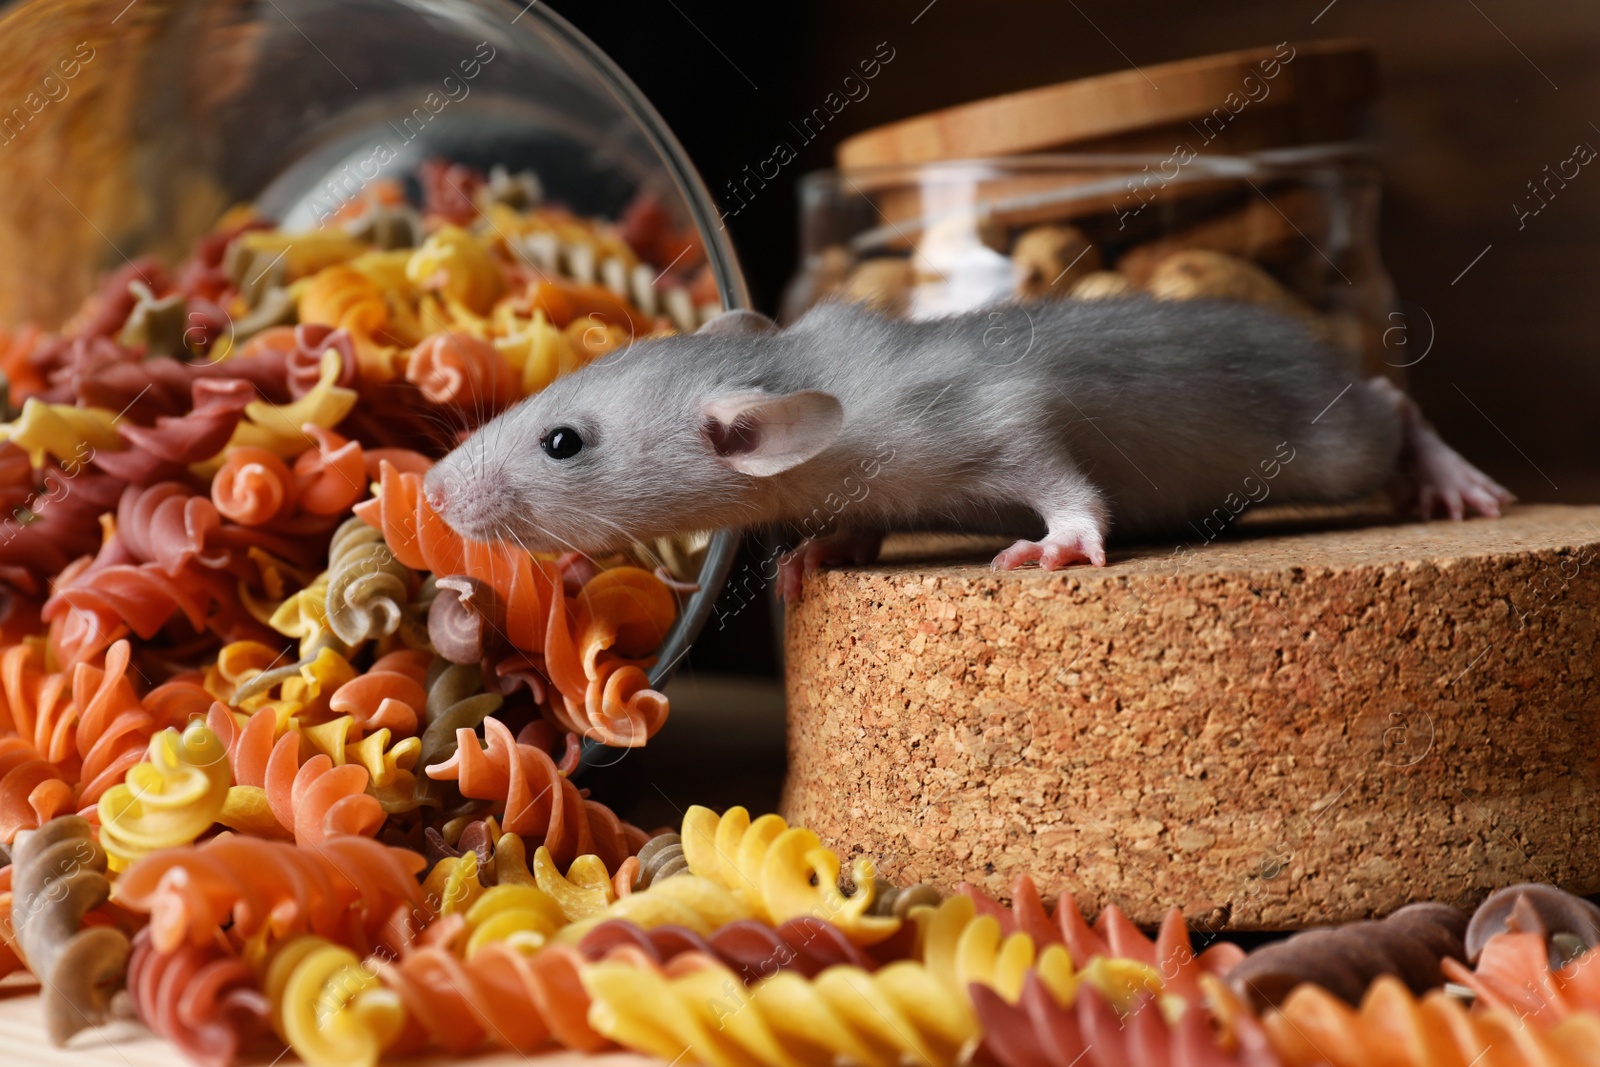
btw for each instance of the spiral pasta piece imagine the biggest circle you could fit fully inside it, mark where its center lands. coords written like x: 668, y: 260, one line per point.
x: 1314, y: 1027
x: 350, y: 890
x: 253, y: 487
x: 328, y: 1005
x: 497, y: 996
x: 780, y: 872
x: 60, y: 874
x: 457, y: 266
x: 1112, y: 936
x: 200, y: 997
x: 537, y: 352
x: 1042, y: 1030
x: 170, y: 799
x: 32, y: 790
x: 346, y: 299
x: 660, y: 857
x: 538, y: 801
x: 331, y: 476
x: 1514, y: 972
x: 962, y: 949
x: 695, y: 1008
x: 463, y: 372
x: 163, y: 451
x: 59, y: 431
x: 368, y: 587
x: 278, y: 428
x: 1411, y: 944
x: 751, y: 949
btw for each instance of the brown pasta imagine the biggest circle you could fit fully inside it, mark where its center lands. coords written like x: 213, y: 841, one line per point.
x: 1569, y: 925
x: 1345, y: 960
x: 59, y: 876
x: 660, y: 857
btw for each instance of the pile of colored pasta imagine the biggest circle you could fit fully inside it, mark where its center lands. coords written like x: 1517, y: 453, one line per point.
x: 285, y: 763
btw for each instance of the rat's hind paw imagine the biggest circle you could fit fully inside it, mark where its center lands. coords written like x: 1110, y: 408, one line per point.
x: 1447, y: 484
x: 1054, y: 552
x: 814, y: 554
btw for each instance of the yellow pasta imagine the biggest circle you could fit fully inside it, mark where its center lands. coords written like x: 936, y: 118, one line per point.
x: 171, y: 799
x: 696, y: 1009
x: 303, y: 614
x: 452, y: 886
x: 329, y: 1006
x: 699, y: 904
x: 523, y: 916
x: 457, y: 266
x: 61, y: 431
x: 302, y: 254
x: 781, y: 872
x: 583, y: 892
x: 538, y: 352
x: 277, y: 427
x: 959, y: 947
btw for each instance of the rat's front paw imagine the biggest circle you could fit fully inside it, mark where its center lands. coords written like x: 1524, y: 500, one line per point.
x: 1055, y: 551
x: 1446, y: 483
x: 812, y: 555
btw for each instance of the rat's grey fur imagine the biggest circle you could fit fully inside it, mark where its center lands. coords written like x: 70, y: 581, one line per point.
x: 1146, y: 413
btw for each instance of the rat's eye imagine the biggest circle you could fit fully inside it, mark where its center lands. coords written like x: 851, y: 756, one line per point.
x: 562, y: 442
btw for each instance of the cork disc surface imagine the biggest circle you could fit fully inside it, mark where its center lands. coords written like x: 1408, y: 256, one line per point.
x: 1086, y: 112
x: 1269, y: 732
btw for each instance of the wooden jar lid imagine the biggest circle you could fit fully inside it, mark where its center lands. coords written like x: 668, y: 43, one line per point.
x: 1269, y: 732
x: 1314, y: 93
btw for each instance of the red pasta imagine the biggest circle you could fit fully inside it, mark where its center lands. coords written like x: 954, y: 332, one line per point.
x: 202, y: 998
x: 751, y: 949
x: 350, y: 890
x: 32, y: 791
x: 60, y: 522
x: 1514, y: 972
x: 87, y: 725
x: 164, y: 451
x: 1038, y: 1031
x: 537, y: 800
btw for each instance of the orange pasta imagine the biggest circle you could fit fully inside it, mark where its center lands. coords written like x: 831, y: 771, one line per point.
x: 496, y: 996
x: 350, y: 890
x: 311, y: 800
x: 1514, y: 973
x: 463, y: 372
x: 537, y: 800
x: 332, y: 476
x: 253, y: 487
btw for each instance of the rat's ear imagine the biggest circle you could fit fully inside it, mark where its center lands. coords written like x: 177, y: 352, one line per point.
x: 763, y: 434
x: 738, y: 322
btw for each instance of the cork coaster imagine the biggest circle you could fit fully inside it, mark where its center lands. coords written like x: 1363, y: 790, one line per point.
x: 1269, y: 732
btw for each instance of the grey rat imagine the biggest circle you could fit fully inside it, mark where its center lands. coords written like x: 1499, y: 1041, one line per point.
x: 1133, y: 415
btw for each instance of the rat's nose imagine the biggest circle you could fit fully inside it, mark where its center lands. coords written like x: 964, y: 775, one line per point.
x: 437, y: 496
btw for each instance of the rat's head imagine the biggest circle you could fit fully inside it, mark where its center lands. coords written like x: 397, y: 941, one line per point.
x: 650, y: 441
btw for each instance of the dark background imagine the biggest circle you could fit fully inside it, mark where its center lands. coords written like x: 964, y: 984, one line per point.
x: 1478, y: 96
